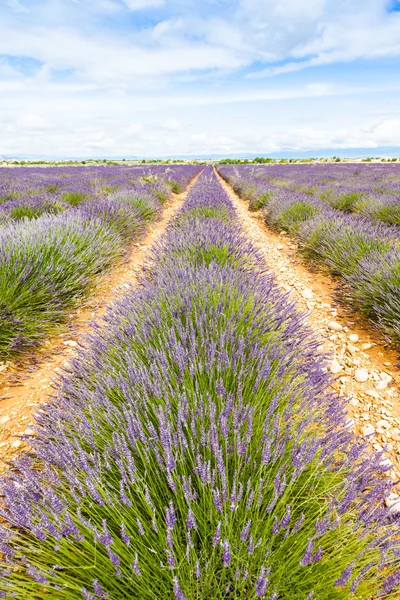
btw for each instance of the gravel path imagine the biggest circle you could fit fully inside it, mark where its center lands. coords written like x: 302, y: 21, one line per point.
x: 362, y: 363
x: 26, y: 383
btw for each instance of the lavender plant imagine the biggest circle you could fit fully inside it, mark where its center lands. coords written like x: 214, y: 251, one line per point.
x: 45, y: 265
x: 360, y: 248
x: 194, y: 452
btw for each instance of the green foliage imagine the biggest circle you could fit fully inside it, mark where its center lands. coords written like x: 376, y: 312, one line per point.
x: 388, y: 213
x: 291, y: 218
x: 74, y: 198
x: 51, y: 188
x: 147, y: 210
x: 30, y: 212
x: 260, y: 201
x: 174, y: 185
x: 207, y: 212
x: 340, y: 246
x: 343, y: 202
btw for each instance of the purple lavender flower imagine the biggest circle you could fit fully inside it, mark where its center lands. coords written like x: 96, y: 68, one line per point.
x: 98, y: 590
x: 135, y: 566
x: 345, y: 576
x: 191, y: 520
x: 140, y: 526
x: 170, y: 559
x: 217, y: 535
x: 262, y: 582
x: 226, y: 556
x: 179, y: 595
x: 124, y: 535
x: 87, y: 595
x: 391, y: 582
x: 307, y: 557
x: 197, y: 571
x: 245, y: 531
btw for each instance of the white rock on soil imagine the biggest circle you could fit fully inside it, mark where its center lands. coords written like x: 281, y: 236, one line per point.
x: 385, y: 376
x: 307, y: 294
x: 335, y: 367
x: 368, y: 430
x: 393, y: 503
x: 352, y: 349
x: 29, y: 431
x: 70, y: 343
x: 395, y: 434
x: 383, y: 423
x: 366, y: 346
x: 334, y: 326
x: 380, y: 385
x: 372, y: 394
x: 353, y: 337
x: 16, y: 444
x: 4, y: 420
x: 361, y: 375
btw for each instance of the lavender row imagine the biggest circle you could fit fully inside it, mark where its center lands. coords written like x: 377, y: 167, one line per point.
x: 370, y: 190
x: 365, y: 254
x: 194, y: 452
x: 28, y: 192
x: 47, y: 263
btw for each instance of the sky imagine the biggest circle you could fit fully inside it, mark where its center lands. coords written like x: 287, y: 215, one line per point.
x: 92, y: 78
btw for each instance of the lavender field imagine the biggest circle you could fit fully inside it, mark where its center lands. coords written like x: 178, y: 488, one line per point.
x: 346, y: 217
x: 194, y: 448
x: 59, y: 228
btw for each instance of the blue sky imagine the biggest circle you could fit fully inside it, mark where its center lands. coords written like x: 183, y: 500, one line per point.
x: 158, y: 77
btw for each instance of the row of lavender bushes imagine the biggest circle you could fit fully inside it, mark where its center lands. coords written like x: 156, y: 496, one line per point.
x: 194, y: 452
x: 28, y: 192
x: 48, y: 261
x: 365, y: 254
x: 371, y: 190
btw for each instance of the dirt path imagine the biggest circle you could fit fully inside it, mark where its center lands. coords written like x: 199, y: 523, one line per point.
x: 25, y: 383
x: 362, y: 363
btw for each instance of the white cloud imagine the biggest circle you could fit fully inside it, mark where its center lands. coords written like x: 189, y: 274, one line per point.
x: 31, y: 123
x: 172, y: 125
x: 134, y: 130
x: 361, y: 29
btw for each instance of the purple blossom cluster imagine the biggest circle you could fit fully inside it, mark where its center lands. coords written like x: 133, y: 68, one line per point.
x: 313, y: 203
x: 49, y: 255
x: 193, y: 450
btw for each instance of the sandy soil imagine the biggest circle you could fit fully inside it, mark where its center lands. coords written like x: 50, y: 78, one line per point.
x: 363, y: 364
x: 29, y: 381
